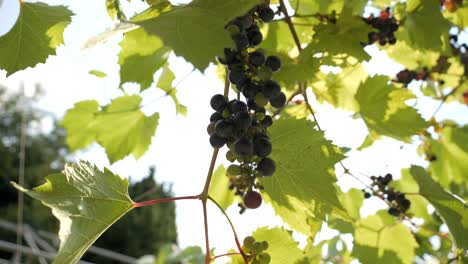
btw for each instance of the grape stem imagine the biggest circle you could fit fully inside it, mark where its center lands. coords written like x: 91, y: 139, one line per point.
x: 225, y: 254
x: 165, y: 200
x: 236, y: 238
x: 288, y: 21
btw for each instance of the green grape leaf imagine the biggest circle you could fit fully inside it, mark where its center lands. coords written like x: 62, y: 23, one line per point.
x: 86, y: 201
x: 303, y: 183
x: 340, y: 89
x: 352, y: 202
x: 219, y: 190
x: 381, y: 3
x: 38, y: 31
x: 451, y: 152
x: 424, y: 26
x: 281, y: 246
x: 120, y: 127
x: 460, y: 16
x: 97, y: 73
x: 141, y: 56
x: 165, y: 84
x: 384, y: 111
x: 196, y: 31
x: 292, y: 71
x: 344, y: 37
x: 412, y: 58
x: 453, y: 210
x: 319, y: 6
x: 380, y: 239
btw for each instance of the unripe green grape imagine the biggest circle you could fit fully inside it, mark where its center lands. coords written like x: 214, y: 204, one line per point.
x: 264, y: 73
x: 259, y: 116
x: 211, y: 128
x: 255, y: 262
x: 264, y: 258
x: 226, y: 114
x: 248, y: 241
x: 261, y: 100
x: 231, y: 156
x: 233, y: 29
x: 233, y: 170
x: 264, y: 245
x: 256, y: 248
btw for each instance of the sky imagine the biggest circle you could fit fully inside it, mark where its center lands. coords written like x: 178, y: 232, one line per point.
x: 180, y: 150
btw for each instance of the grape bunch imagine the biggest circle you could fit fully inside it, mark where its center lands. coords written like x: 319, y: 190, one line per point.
x: 255, y: 251
x: 242, y: 124
x: 386, y: 26
x: 397, y: 200
x: 406, y: 76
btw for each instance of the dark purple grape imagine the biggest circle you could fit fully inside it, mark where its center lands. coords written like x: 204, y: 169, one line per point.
x: 255, y: 38
x: 243, y: 146
x: 238, y: 106
x: 218, y: 102
x: 241, y: 40
x: 217, y: 141
x: 387, y: 179
x: 267, y: 121
x: 237, y: 76
x: 252, y: 105
x: 224, y: 128
x: 252, y: 199
x: 273, y: 62
x: 215, y: 117
x: 271, y: 89
x: 266, y: 14
x: 394, y: 211
x: 256, y: 58
x: 242, y: 120
x: 250, y: 89
x: 367, y: 195
x: 278, y: 101
x: 262, y: 147
x: 266, y: 167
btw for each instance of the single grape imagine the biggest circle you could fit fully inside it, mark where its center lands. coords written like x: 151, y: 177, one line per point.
x: 267, y: 121
x: 264, y: 258
x: 218, y: 102
x: 243, y: 146
x: 241, y: 40
x: 248, y: 241
x: 394, y: 211
x: 255, y: 38
x: 211, y: 128
x: 237, y: 76
x: 266, y: 14
x: 252, y: 105
x: 242, y: 120
x: 250, y: 89
x: 405, y: 204
x: 230, y: 56
x: 278, y: 101
x: 217, y: 141
x: 367, y: 195
x: 262, y: 147
x: 256, y: 58
x: 224, y: 128
x: 252, y: 200
x: 271, y: 89
x: 261, y: 100
x: 238, y: 106
x: 231, y: 156
x: 273, y: 62
x: 215, y: 117
x: 234, y: 170
x: 264, y: 245
x: 266, y: 167
x: 387, y: 179
x: 256, y: 247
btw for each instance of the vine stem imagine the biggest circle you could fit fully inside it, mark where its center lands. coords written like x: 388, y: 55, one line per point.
x: 236, y: 238
x: 165, y: 200
x: 288, y: 21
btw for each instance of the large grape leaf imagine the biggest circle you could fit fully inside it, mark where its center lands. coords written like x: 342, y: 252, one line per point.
x: 281, y: 246
x: 340, y: 89
x: 219, y: 190
x: 453, y: 210
x: 380, y: 239
x: 344, y: 37
x: 303, y: 184
x: 412, y: 58
x: 86, y: 201
x: 352, y: 202
x: 196, y: 31
x: 36, y: 34
x: 460, y: 16
x: 424, y: 26
x: 451, y: 152
x: 141, y: 56
x: 383, y: 108
x: 120, y: 127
